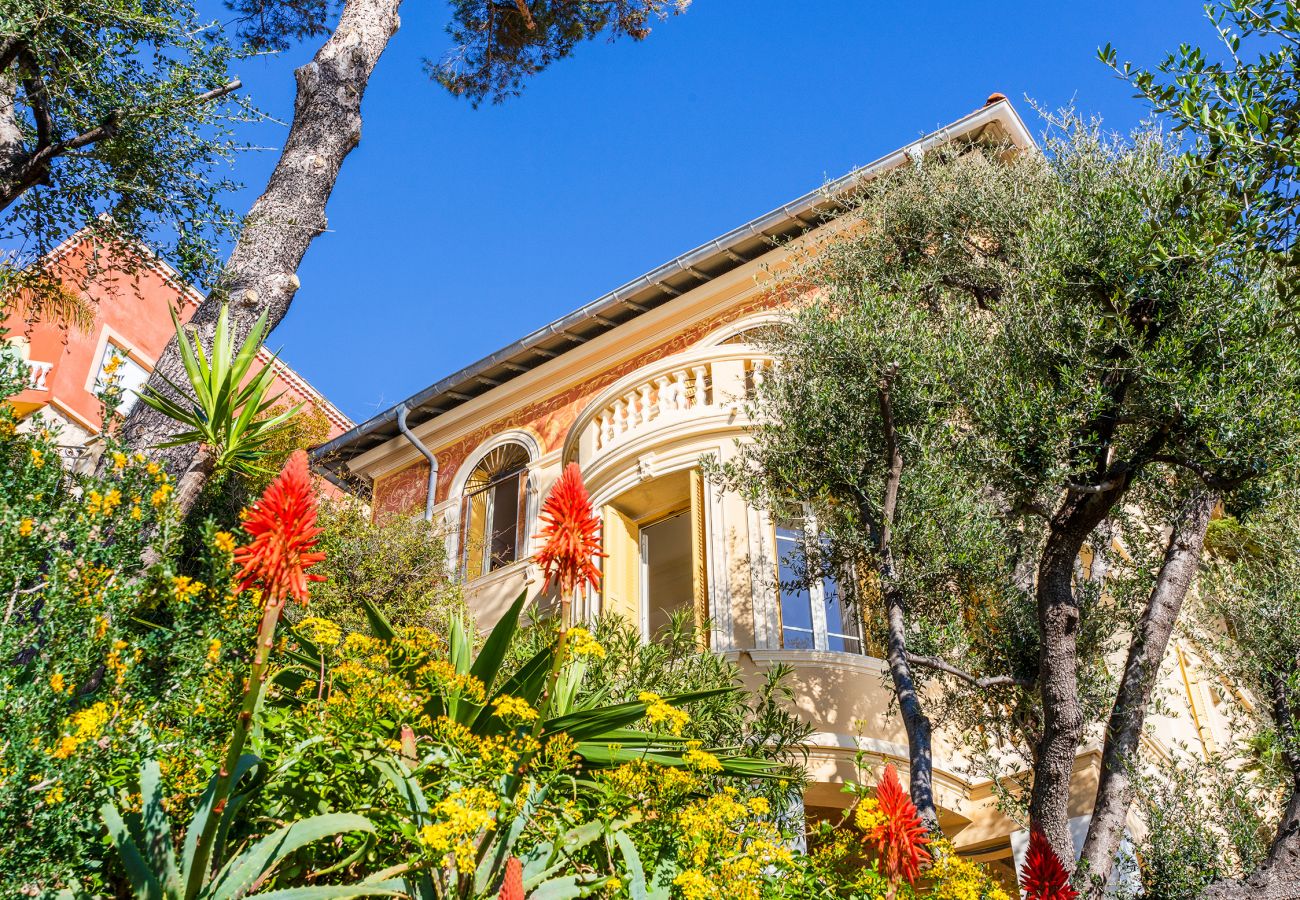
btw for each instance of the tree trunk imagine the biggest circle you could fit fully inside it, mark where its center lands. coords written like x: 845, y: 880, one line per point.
x: 1058, y: 619
x: 920, y: 756
x: 190, y: 486
x: 260, y: 274
x: 1278, y: 876
x: 1128, y: 714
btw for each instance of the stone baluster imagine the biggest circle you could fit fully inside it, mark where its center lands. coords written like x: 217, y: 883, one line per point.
x: 620, y: 416
x: 679, y: 392
x: 700, y: 399
x: 647, y: 411
x: 661, y: 401
x: 636, y: 415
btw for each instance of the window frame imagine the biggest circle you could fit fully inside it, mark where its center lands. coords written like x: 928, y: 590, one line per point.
x: 804, y: 530
x: 489, y: 491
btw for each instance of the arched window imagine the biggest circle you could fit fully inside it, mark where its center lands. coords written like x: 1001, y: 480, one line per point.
x: 494, y: 511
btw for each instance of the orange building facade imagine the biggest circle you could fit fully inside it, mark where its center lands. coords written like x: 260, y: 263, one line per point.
x: 131, y: 322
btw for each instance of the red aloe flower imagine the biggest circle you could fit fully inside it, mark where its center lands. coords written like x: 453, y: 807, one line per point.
x: 571, y: 532
x: 283, y: 526
x: 1043, y: 877
x: 900, y: 837
x: 513, y: 887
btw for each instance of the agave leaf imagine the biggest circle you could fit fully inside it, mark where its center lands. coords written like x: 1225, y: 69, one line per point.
x: 252, y: 866
x: 144, y: 882
x: 246, y: 762
x: 379, y: 625
x: 493, y: 652
x: 156, y: 827
x: 330, y: 892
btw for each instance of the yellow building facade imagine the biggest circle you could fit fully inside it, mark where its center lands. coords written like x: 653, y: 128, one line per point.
x: 638, y: 387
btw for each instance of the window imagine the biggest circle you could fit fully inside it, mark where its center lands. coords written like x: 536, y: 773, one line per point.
x: 130, y: 375
x: 814, y: 613
x: 494, y: 511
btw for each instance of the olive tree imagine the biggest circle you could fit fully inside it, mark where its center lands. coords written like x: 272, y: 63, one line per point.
x: 1094, y: 341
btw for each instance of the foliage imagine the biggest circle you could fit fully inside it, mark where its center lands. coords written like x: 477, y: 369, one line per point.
x: 1203, y: 823
x: 106, y: 663
x: 397, y: 564
x: 499, y: 45
x: 226, y: 404
x: 1240, y: 112
x: 121, y: 121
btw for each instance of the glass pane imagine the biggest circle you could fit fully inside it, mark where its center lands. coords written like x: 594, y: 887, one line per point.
x: 505, y: 522
x: 796, y: 600
x: 841, y: 621
x: 474, y: 515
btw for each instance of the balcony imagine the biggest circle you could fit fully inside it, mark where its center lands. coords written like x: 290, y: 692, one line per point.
x: 38, y: 372
x: 697, y: 390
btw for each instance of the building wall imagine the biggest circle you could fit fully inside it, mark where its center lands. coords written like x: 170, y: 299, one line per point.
x: 131, y: 309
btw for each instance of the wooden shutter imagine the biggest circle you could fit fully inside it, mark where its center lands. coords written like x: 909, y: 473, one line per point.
x: 621, y: 582
x: 699, y: 560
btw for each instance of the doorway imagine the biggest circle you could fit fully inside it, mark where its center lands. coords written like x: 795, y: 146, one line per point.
x: 667, y: 582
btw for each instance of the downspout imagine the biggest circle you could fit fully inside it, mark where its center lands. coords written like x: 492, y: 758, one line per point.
x: 433, y: 460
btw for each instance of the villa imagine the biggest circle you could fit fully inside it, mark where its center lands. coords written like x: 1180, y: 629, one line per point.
x: 637, y: 387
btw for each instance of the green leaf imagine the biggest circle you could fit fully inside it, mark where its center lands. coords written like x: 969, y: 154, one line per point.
x: 488, y: 663
x: 144, y: 882
x: 243, y: 872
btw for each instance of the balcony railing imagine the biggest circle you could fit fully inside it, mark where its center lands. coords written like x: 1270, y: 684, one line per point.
x: 687, y: 386
x: 38, y: 373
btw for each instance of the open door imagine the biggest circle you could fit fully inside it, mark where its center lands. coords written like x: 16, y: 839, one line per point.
x: 699, y: 558
x: 620, y: 585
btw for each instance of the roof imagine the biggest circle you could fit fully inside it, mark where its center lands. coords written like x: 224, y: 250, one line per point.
x: 655, y: 288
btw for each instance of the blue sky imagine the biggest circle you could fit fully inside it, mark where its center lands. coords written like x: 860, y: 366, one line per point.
x: 455, y: 231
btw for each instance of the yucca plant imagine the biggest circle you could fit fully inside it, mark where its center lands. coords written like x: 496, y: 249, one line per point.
x: 223, y: 409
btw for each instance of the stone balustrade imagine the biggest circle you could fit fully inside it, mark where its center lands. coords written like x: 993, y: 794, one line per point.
x: 38, y: 373
x: 697, y: 385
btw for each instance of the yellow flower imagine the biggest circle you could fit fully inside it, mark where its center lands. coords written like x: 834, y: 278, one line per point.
x: 186, y: 588
x: 113, y: 364
x: 583, y: 643
x: 38, y: 458
x: 86, y: 725
x: 695, y: 885
x: 661, y: 713
x: 321, y: 632
x: 759, y: 806
x: 119, y: 460
x: 699, y: 760
x: 214, y: 651
x: 868, y: 815
x: 136, y: 514
x: 101, y: 627
x: 25, y: 527
x: 57, y: 683
x: 224, y: 541
x: 153, y: 468
x: 159, y: 497
x: 462, y: 816
x: 54, y: 795
x: 515, y: 708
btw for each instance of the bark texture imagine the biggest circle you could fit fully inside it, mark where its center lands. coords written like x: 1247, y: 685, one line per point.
x: 1128, y: 714
x: 1082, y: 510
x: 260, y: 273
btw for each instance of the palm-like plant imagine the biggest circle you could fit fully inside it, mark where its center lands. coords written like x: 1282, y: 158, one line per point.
x: 224, y: 410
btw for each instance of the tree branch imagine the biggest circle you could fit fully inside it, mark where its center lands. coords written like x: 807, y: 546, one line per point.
x: 990, y: 681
